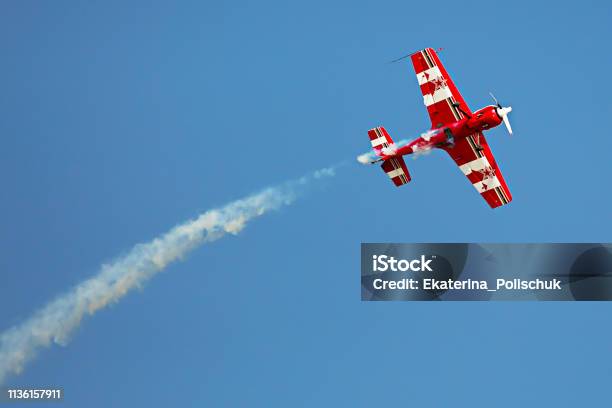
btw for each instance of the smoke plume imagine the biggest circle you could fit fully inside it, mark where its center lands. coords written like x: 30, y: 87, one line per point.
x: 55, y: 322
x: 370, y: 156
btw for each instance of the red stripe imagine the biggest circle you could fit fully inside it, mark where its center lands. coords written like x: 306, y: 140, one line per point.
x: 418, y: 62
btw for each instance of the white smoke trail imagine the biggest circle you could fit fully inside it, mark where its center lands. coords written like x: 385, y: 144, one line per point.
x: 419, y: 149
x: 369, y: 157
x: 57, y: 320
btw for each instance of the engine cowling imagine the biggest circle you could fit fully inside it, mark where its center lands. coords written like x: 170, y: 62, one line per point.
x: 485, y: 118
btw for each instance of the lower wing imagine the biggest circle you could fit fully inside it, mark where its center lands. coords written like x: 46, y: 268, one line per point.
x: 475, y: 159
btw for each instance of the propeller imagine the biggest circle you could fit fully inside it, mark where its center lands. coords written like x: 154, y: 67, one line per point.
x: 503, y: 113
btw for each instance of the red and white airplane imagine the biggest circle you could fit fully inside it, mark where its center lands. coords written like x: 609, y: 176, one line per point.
x: 454, y: 128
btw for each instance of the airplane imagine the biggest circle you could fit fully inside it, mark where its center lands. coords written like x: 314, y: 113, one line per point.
x: 454, y: 129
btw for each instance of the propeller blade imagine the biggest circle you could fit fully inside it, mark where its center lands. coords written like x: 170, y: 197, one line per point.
x: 503, y: 114
x: 507, y: 123
x: 495, y: 99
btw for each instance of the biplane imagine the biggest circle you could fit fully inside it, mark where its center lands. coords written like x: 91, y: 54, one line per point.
x: 454, y: 129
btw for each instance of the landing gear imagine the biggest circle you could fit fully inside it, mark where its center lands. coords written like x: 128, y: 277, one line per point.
x: 458, y: 106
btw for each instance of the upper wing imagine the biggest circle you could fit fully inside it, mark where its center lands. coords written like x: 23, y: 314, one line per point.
x: 440, y: 94
x: 481, y: 169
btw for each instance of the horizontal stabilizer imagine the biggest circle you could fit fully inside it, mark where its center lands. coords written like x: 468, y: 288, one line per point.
x: 396, y: 170
x: 395, y: 167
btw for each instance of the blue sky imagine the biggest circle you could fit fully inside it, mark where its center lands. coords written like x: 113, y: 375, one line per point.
x: 122, y: 119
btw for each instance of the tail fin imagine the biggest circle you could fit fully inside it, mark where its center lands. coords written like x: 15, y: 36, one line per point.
x: 380, y: 139
x: 395, y: 167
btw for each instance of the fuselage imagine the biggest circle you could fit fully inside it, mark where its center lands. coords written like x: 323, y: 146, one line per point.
x: 447, y: 135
